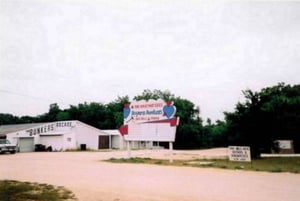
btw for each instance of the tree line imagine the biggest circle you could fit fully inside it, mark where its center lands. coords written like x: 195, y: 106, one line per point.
x: 271, y: 114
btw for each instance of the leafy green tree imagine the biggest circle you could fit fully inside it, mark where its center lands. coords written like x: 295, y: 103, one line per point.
x: 268, y: 115
x: 93, y: 114
x: 155, y: 94
x: 189, y: 131
x: 63, y: 116
x: 214, y: 135
x: 115, y: 112
x: 26, y: 119
x: 8, y: 119
x: 53, y: 112
x: 50, y: 115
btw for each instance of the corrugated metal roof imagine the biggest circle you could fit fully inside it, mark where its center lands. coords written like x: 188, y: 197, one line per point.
x: 4, y: 129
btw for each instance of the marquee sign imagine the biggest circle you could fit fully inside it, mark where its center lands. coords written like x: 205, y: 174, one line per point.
x: 152, y: 120
x: 145, y: 111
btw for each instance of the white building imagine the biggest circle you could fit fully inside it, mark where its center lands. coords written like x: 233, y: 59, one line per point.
x: 116, y: 139
x: 61, y: 136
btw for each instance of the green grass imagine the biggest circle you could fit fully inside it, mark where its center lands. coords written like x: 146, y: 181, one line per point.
x: 25, y: 191
x: 264, y: 164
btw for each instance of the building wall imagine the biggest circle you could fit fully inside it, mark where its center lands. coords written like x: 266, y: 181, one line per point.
x: 70, y: 140
x: 118, y: 142
x: 87, y: 135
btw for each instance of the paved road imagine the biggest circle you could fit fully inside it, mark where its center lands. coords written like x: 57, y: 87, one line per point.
x: 93, y: 180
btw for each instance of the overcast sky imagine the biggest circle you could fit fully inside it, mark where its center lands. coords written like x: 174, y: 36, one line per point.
x: 69, y: 52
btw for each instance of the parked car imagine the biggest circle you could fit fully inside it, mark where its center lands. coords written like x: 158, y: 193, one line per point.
x: 6, y: 146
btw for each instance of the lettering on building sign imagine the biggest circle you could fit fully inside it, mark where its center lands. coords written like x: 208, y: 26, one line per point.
x: 64, y: 124
x: 42, y: 129
x: 47, y: 128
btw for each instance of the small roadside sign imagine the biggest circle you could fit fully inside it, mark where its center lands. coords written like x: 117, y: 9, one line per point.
x: 239, y: 153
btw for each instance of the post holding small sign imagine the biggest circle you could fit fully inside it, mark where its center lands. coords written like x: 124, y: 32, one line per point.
x: 239, y: 153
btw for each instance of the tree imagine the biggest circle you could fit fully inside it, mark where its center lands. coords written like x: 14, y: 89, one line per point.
x: 214, y: 135
x: 27, y: 119
x: 93, y: 114
x: 63, y: 116
x: 268, y: 115
x: 115, y: 111
x: 50, y: 115
x: 8, y: 119
x: 155, y: 94
x: 189, y: 132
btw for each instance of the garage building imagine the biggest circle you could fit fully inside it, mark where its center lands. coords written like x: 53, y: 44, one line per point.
x: 61, y: 136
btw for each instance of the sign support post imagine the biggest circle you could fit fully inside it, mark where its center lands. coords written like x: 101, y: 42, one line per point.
x: 128, y: 149
x: 171, y: 152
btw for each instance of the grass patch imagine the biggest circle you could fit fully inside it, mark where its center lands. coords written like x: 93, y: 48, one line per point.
x: 79, y: 150
x: 279, y: 164
x: 131, y: 160
x: 25, y: 191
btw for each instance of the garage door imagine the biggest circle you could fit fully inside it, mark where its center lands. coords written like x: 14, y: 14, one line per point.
x: 26, y: 144
x: 56, y: 142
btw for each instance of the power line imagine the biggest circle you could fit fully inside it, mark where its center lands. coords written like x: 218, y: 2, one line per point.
x: 30, y: 96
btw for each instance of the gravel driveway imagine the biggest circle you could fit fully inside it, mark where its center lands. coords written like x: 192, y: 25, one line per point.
x: 93, y: 180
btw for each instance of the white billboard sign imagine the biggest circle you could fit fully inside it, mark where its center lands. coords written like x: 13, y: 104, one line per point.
x: 239, y: 153
x: 152, y: 120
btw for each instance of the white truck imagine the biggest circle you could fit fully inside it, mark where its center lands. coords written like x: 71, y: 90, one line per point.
x: 6, y: 146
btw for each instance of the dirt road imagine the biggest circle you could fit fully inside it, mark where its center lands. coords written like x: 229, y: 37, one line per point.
x: 93, y: 180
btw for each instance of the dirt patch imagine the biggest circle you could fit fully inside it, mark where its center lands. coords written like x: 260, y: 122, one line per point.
x: 91, y: 179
